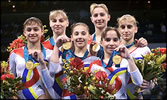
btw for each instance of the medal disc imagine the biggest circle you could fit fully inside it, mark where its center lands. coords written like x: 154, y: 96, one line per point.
x: 67, y: 45
x: 29, y: 64
x: 117, y: 59
x: 96, y: 48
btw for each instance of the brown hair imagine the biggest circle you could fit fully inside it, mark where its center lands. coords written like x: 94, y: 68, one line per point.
x: 79, y: 23
x: 103, y: 35
x: 31, y: 21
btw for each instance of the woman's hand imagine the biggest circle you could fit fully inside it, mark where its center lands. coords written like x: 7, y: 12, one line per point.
x: 123, y: 51
x: 38, y: 57
x: 62, y: 39
x: 142, y: 42
x: 93, y: 53
x: 146, y: 85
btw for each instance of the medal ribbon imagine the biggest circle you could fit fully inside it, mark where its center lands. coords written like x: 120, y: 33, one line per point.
x: 110, y: 60
x: 130, y: 45
x: 52, y: 41
x: 28, y: 92
x: 94, y: 36
x: 100, y: 53
x: 71, y: 54
x: 82, y: 58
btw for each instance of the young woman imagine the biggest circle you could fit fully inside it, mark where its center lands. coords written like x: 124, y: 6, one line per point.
x: 80, y: 36
x: 127, y: 26
x: 118, y: 72
x: 100, y: 17
x: 58, y: 22
x: 28, y: 62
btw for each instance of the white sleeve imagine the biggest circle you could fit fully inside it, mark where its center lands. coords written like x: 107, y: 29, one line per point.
x: 12, y: 64
x: 48, y: 82
x: 136, y: 76
x: 47, y: 79
x: 54, y: 68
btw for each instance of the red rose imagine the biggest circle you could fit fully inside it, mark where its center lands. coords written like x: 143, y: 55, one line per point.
x: 159, y: 51
x: 4, y: 76
x: 77, y: 63
x: 19, y: 40
x: 100, y: 75
x: 162, y: 50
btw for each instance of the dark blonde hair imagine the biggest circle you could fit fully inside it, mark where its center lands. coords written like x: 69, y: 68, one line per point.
x: 79, y: 23
x: 103, y: 35
x: 127, y: 17
x: 32, y: 21
x: 94, y: 5
x: 55, y: 13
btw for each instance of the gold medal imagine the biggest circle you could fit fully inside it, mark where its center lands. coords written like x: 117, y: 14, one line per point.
x: 29, y: 65
x: 67, y: 45
x: 117, y: 59
x: 96, y: 48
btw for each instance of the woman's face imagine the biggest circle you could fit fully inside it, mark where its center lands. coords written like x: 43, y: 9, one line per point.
x: 100, y: 18
x: 80, y: 36
x: 33, y: 33
x: 59, y: 24
x: 110, y: 42
x: 127, y: 30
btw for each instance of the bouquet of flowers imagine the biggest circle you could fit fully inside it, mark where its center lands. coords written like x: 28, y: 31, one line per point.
x: 84, y: 84
x: 21, y: 41
x: 153, y: 65
x: 9, y: 84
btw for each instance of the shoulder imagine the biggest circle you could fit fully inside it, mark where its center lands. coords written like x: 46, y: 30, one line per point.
x: 91, y: 59
x: 145, y: 49
x: 18, y: 51
x: 47, y: 44
x: 141, y: 50
x: 96, y: 62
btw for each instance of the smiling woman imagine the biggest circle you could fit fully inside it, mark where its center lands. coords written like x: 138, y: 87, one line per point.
x: 33, y: 30
x: 27, y: 62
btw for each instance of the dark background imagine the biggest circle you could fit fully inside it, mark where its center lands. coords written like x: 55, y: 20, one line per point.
x: 150, y: 14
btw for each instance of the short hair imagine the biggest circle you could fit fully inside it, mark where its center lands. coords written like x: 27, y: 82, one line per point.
x: 31, y: 21
x: 127, y: 17
x: 55, y: 13
x: 94, y: 5
x: 78, y: 23
x: 103, y: 35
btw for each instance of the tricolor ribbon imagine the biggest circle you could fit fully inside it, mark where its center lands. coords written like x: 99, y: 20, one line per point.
x: 28, y: 92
